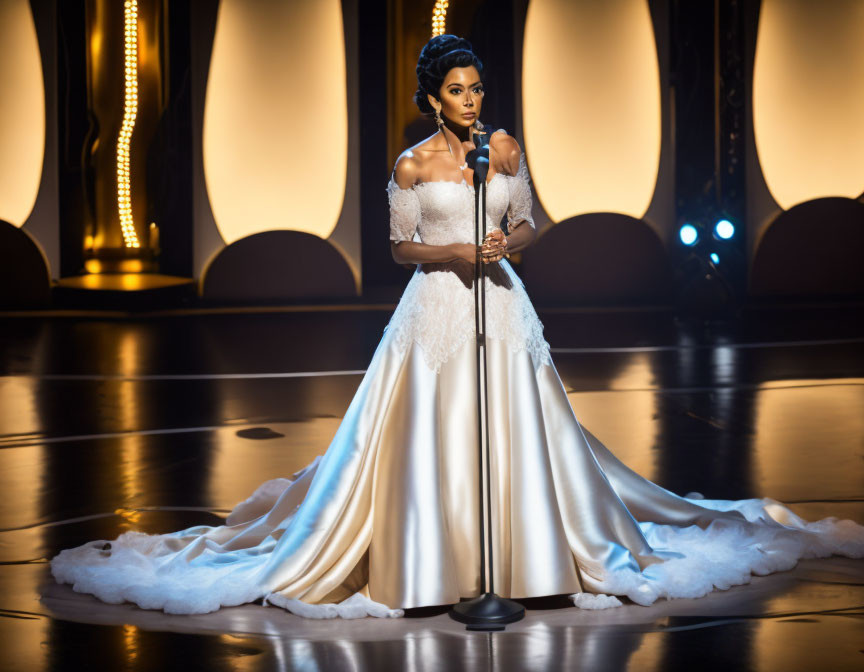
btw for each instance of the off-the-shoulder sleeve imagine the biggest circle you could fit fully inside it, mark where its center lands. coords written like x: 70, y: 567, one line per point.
x: 404, y: 211
x: 520, y: 196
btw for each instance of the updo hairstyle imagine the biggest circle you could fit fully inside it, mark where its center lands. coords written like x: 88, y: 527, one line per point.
x: 440, y: 55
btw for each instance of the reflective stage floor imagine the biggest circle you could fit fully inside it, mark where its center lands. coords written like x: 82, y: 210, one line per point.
x: 157, y: 422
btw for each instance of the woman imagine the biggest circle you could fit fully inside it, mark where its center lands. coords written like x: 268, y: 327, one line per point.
x: 387, y: 519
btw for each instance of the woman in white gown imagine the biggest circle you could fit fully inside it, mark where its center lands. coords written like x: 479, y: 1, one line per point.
x: 387, y: 518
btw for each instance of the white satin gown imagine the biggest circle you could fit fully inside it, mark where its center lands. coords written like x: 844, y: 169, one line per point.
x: 387, y: 518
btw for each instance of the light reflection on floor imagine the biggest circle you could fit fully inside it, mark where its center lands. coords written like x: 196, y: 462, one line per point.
x: 783, y: 422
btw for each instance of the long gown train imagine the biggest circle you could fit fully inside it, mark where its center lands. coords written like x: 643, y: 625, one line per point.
x: 387, y: 518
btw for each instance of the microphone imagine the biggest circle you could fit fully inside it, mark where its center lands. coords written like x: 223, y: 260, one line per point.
x: 478, y: 161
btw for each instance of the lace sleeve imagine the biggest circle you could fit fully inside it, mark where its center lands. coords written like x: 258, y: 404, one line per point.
x: 404, y: 211
x: 519, y: 208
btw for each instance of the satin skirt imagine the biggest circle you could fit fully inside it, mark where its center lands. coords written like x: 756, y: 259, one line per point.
x: 388, y: 517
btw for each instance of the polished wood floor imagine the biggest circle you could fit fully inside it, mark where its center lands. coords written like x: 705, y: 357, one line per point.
x: 153, y: 422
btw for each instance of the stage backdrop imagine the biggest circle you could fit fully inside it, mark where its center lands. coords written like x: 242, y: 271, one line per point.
x: 29, y: 238
x: 805, y: 176
x: 279, y: 151
x: 275, y: 150
x: 596, y: 128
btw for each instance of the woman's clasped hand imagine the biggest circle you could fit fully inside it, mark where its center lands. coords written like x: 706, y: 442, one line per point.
x: 494, y: 246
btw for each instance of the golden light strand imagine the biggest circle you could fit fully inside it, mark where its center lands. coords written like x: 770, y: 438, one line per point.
x: 439, y: 16
x: 130, y: 111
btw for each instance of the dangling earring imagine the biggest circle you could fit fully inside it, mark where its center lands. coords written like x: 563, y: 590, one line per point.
x: 477, y: 125
x: 438, y: 119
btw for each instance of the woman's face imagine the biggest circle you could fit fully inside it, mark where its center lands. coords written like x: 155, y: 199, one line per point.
x: 461, y: 96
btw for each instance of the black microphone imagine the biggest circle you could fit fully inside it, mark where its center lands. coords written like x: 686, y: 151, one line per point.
x: 478, y: 161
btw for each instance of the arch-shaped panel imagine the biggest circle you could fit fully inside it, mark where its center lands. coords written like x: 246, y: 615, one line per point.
x: 811, y: 250
x: 276, y: 117
x: 24, y: 277
x: 591, y: 105
x: 808, y: 99
x: 275, y: 266
x: 22, y: 112
x: 569, y: 263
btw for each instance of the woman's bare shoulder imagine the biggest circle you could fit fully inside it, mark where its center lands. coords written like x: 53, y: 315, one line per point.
x: 506, y: 150
x: 409, y: 164
x: 406, y: 170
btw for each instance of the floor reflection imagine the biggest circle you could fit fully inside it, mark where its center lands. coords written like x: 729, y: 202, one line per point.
x: 705, y: 438
x: 86, y: 457
x: 743, y: 629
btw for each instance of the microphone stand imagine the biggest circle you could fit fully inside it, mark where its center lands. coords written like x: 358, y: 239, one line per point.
x: 489, y: 611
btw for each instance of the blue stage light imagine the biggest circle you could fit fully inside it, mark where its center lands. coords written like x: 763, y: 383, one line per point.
x: 724, y: 229
x: 715, y: 258
x: 688, y: 234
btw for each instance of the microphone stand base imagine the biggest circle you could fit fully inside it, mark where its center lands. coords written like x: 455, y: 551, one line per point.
x: 489, y: 611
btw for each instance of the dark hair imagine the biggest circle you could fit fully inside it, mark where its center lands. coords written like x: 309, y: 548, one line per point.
x: 440, y: 55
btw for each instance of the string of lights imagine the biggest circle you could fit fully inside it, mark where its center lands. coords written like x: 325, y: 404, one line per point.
x: 130, y: 112
x: 439, y: 17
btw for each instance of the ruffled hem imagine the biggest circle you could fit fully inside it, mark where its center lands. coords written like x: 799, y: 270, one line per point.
x: 356, y: 606
x: 697, y: 561
x: 725, y: 553
x: 129, y: 572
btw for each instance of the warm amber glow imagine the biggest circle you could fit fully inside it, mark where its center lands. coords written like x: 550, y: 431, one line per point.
x: 788, y: 414
x: 231, y: 477
x: 130, y: 643
x: 276, y: 117
x: 129, y: 408
x: 22, y: 112
x: 119, y: 266
x: 808, y: 99
x: 130, y: 111
x: 22, y: 467
x: 650, y: 655
x: 132, y: 278
x: 591, y: 105
x: 624, y: 420
x: 439, y: 17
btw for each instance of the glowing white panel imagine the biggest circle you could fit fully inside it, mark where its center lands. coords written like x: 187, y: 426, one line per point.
x: 276, y: 117
x: 591, y: 105
x: 808, y: 99
x: 22, y: 112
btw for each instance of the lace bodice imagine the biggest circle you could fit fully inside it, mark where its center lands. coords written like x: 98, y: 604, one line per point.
x: 442, y: 212
x: 436, y: 309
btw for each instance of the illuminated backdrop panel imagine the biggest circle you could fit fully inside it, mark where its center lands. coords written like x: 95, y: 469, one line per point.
x: 275, y: 117
x: 22, y: 112
x: 808, y: 99
x: 591, y: 106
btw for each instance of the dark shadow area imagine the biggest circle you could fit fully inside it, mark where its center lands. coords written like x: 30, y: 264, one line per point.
x: 598, y: 259
x: 24, y: 276
x: 812, y: 250
x: 278, y: 266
